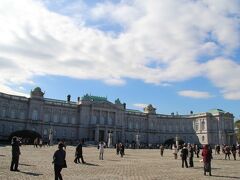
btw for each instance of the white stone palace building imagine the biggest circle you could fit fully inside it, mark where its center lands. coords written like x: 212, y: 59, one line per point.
x: 92, y: 117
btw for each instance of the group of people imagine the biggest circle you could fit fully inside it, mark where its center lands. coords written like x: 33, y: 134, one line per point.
x: 187, y: 152
x: 228, y: 150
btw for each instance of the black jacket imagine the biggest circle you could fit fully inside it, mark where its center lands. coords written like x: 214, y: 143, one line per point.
x: 15, y: 149
x: 59, y: 157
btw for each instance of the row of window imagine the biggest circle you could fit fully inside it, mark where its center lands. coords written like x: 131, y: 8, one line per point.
x: 12, y: 114
x: 56, y: 118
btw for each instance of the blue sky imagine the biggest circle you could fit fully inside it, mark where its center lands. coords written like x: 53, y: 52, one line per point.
x: 179, y: 55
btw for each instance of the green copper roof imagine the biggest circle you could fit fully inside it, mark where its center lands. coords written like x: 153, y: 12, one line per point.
x: 37, y: 89
x: 94, y: 98
x: 133, y: 110
x: 214, y: 111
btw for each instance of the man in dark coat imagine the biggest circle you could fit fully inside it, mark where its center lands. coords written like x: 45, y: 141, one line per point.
x: 59, y: 161
x: 15, y: 154
x: 191, y: 152
x: 78, y: 154
x: 184, y: 155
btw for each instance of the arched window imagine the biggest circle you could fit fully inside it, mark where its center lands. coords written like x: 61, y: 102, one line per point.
x: 64, y: 119
x: 151, y: 125
x: 110, y: 120
x: 22, y: 115
x: 46, y: 117
x: 196, y: 125
x: 35, y: 114
x: 55, y: 118
x: 13, y: 114
x: 137, y: 125
x: 73, y: 120
x: 130, y: 125
x: 203, y: 138
x: 102, y: 120
x: 64, y: 133
x: 45, y: 132
x: 94, y: 119
x: 203, y: 125
x: 2, y: 127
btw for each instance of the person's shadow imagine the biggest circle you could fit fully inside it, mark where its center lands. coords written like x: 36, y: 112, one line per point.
x: 31, y: 173
x: 22, y: 164
x: 91, y: 164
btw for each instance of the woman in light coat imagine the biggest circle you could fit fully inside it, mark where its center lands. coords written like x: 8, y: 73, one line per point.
x: 101, y: 150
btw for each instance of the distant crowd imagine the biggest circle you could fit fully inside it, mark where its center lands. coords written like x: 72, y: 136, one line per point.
x: 186, y: 152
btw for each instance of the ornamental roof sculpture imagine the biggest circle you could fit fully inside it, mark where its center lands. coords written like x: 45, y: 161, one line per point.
x: 150, y: 109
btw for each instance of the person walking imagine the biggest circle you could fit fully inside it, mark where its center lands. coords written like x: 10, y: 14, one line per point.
x: 161, y: 150
x: 207, y: 157
x: 101, y: 149
x: 59, y: 161
x: 121, y: 149
x: 234, y: 151
x: 227, y: 151
x: 15, y: 154
x: 184, y: 155
x: 79, y: 154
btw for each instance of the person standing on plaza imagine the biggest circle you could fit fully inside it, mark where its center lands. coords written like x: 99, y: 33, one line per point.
x: 197, y: 150
x: 79, y: 154
x: 15, y: 154
x: 234, y: 151
x: 117, y: 148
x: 207, y: 157
x: 239, y: 150
x: 121, y: 149
x: 191, y: 152
x: 184, y: 155
x: 175, y: 151
x: 101, y: 149
x: 59, y: 161
x: 227, y: 151
x: 161, y: 150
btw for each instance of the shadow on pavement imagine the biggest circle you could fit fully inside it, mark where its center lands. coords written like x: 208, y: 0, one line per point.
x: 31, y: 173
x: 230, y: 177
x: 90, y: 164
x: 22, y: 164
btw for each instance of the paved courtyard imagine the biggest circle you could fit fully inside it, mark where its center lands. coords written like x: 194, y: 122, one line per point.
x: 35, y: 163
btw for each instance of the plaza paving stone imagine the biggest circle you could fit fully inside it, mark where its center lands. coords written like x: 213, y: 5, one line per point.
x: 137, y: 164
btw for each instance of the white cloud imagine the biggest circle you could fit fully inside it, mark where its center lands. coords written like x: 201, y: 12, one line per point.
x: 225, y: 74
x: 173, y: 35
x: 140, y: 105
x: 195, y: 94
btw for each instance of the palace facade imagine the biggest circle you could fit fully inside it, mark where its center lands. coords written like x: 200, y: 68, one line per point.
x: 92, y: 117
